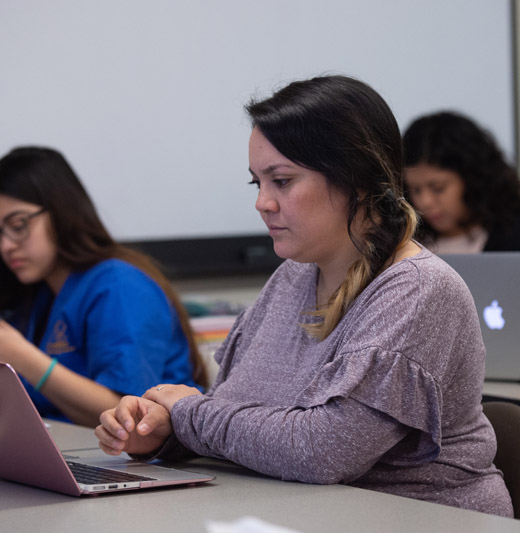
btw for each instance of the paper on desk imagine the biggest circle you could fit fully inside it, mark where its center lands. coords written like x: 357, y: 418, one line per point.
x: 247, y: 524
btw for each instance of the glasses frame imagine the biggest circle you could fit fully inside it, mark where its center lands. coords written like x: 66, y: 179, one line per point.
x: 26, y: 229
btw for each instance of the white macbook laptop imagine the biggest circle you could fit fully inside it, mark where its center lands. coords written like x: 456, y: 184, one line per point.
x: 494, y: 281
x: 29, y: 455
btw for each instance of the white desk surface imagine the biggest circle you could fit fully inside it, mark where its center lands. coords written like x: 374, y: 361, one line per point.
x: 236, y: 492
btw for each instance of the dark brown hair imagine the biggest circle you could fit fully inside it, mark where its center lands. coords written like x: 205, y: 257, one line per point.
x: 341, y: 127
x: 42, y: 176
x: 451, y: 141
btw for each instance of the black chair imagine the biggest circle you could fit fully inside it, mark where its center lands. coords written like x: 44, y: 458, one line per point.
x: 505, y: 419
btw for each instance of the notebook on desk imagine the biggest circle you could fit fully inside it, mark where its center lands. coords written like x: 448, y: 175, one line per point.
x: 494, y: 281
x: 29, y: 455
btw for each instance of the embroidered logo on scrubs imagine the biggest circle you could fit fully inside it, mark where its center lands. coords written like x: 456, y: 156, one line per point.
x: 59, y: 342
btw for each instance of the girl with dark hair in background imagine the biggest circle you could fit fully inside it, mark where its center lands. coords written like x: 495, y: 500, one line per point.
x: 89, y: 319
x: 362, y: 361
x: 459, y: 181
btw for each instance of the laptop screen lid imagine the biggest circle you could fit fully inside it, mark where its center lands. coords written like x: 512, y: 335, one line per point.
x: 492, y: 278
x: 29, y: 455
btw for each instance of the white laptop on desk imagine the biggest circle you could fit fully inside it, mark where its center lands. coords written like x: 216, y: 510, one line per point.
x: 29, y: 455
x: 494, y: 281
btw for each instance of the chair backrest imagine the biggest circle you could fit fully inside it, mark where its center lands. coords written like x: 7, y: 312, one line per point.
x: 505, y: 419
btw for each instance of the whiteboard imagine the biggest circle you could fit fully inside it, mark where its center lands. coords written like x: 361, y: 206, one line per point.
x: 145, y: 99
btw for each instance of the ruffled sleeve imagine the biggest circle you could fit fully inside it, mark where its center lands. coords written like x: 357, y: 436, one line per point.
x: 388, y: 382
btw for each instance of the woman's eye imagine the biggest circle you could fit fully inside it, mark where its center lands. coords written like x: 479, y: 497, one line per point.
x: 281, y: 182
x: 254, y: 182
x: 18, y: 225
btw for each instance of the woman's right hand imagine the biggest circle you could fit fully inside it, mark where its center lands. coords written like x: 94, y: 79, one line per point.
x: 16, y: 349
x: 136, y: 425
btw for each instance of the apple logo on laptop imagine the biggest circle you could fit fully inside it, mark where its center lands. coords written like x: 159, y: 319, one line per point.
x: 493, y: 316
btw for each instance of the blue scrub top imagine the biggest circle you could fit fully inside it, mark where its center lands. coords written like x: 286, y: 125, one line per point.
x: 114, y: 325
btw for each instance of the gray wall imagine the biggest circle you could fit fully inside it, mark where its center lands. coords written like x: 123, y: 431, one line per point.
x: 145, y: 98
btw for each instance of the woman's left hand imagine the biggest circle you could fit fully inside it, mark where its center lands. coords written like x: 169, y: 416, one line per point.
x: 169, y: 395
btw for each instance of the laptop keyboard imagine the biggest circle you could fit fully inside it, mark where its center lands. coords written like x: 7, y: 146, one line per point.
x: 88, y: 474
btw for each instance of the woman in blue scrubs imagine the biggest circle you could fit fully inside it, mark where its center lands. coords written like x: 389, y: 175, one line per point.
x: 86, y: 319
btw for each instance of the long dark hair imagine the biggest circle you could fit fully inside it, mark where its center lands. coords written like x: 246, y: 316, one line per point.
x: 42, y: 176
x: 452, y: 141
x: 341, y: 127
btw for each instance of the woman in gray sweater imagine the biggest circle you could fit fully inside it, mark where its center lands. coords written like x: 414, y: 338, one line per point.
x: 362, y: 360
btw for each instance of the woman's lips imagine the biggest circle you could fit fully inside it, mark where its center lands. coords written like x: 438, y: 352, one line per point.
x: 15, y: 264
x: 275, y: 230
x: 434, y: 219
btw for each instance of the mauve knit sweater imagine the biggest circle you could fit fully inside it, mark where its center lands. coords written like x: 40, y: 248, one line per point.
x: 389, y: 401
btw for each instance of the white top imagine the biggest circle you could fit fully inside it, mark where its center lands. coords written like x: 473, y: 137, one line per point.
x: 471, y: 242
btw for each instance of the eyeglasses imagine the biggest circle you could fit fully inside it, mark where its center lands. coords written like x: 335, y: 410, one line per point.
x: 16, y: 226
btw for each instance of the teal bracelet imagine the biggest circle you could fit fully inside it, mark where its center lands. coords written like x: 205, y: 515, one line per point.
x: 45, y: 376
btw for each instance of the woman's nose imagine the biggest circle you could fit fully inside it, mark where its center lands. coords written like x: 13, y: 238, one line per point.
x: 266, y: 201
x: 6, y: 244
x: 422, y: 200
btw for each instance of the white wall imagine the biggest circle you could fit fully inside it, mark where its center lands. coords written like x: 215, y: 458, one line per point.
x: 145, y: 97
